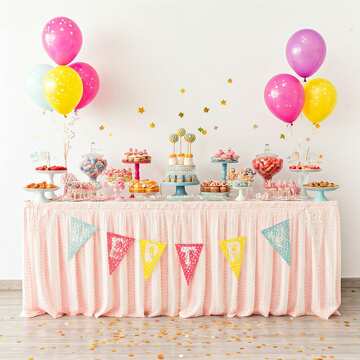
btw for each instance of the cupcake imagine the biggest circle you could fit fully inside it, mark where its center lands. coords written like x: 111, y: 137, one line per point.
x: 172, y: 159
x: 180, y: 159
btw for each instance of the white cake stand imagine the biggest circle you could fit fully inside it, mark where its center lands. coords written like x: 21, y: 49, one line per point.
x: 51, y: 174
x: 39, y: 194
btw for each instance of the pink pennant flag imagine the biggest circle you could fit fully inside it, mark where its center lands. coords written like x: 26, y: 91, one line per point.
x: 118, y: 247
x: 189, y: 256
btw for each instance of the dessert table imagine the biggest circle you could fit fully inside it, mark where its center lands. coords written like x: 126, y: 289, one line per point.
x: 267, y: 285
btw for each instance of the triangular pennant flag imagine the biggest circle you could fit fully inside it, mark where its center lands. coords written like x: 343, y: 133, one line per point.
x: 151, y: 252
x: 80, y: 233
x: 233, y: 250
x: 189, y: 256
x: 118, y: 246
x: 279, y: 238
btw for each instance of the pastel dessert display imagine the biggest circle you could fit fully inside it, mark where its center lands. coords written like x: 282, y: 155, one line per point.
x: 214, y: 186
x: 144, y: 186
x: 93, y: 165
x: 225, y: 157
x: 267, y: 164
x: 75, y: 190
x: 281, y: 190
x: 320, y: 188
x: 181, y: 168
x: 136, y: 157
x: 39, y: 189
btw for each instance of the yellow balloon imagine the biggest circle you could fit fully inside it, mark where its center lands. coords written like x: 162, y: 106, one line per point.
x: 320, y: 100
x: 63, y: 89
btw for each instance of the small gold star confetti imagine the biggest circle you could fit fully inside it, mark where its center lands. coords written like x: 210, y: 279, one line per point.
x: 152, y: 125
x: 282, y: 136
x: 182, y: 91
x: 223, y: 102
x: 255, y: 126
x: 317, y: 126
x: 110, y: 134
x: 202, y: 131
x: 101, y: 127
x: 181, y: 114
x: 141, y: 110
x: 229, y: 81
x: 206, y: 109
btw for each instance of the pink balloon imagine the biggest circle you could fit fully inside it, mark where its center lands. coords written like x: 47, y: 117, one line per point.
x: 62, y: 39
x: 284, y: 96
x: 305, y: 52
x: 90, y: 80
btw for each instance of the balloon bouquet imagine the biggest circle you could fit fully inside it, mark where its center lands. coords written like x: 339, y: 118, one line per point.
x: 64, y: 88
x: 286, y: 97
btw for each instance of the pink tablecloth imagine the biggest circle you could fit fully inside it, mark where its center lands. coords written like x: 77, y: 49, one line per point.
x: 267, y: 285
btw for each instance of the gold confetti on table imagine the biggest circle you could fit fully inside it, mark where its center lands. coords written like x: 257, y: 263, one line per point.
x: 141, y: 110
x: 101, y: 127
x: 152, y: 125
x: 181, y: 114
x: 182, y: 91
x: 229, y: 81
x: 206, y: 109
x: 223, y: 102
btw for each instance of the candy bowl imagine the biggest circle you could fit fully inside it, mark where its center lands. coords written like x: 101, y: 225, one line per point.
x: 267, y: 164
x: 93, y: 165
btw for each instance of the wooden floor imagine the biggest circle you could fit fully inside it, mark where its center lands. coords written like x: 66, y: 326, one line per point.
x: 172, y: 338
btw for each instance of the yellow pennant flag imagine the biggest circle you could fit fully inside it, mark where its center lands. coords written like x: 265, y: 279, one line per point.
x: 151, y: 252
x: 233, y: 250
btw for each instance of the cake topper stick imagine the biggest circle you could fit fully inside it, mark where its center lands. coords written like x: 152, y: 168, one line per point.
x: 174, y: 138
x: 180, y: 133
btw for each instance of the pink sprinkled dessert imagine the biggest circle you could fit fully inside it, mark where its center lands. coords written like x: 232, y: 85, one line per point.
x: 228, y: 156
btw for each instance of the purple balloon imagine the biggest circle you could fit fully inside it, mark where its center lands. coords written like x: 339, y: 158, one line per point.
x: 305, y: 52
x: 284, y: 96
x: 90, y: 80
x: 62, y: 40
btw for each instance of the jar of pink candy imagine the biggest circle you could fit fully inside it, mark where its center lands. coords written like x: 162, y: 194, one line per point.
x: 93, y: 165
x: 267, y: 164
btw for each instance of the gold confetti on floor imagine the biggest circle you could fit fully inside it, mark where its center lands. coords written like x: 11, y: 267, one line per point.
x: 164, y: 338
x: 141, y: 110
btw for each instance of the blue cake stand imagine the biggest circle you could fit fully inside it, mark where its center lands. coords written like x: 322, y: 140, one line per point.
x: 180, y: 192
x: 320, y: 192
x: 224, y: 167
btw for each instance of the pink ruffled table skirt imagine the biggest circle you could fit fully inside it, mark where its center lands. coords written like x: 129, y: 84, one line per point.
x: 267, y: 284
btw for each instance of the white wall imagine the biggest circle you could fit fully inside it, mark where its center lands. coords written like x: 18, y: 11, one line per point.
x: 144, y: 52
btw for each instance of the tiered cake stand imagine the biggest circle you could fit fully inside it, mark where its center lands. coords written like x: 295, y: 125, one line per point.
x: 224, y: 167
x: 303, y: 178
x: 51, y: 174
x: 137, y: 167
x: 320, y: 192
x: 180, y: 192
x: 241, y: 188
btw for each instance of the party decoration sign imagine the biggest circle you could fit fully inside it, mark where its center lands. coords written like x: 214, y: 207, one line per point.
x: 233, y: 250
x: 151, y: 252
x: 189, y: 255
x: 80, y: 233
x: 118, y: 246
x: 279, y: 238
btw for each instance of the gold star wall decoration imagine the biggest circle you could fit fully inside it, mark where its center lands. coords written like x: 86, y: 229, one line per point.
x: 101, y: 127
x: 141, y: 110
x: 255, y: 126
x: 206, y: 109
x: 282, y: 136
x: 182, y: 91
x: 152, y: 125
x: 181, y: 114
x: 223, y: 102
x: 202, y: 131
x: 229, y: 81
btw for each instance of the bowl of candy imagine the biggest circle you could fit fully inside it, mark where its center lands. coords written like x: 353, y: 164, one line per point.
x: 267, y: 164
x: 93, y: 165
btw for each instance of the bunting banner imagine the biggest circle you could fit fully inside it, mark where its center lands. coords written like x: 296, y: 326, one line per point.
x: 118, y: 246
x: 189, y: 255
x: 80, y: 233
x: 151, y: 252
x: 279, y: 238
x: 233, y: 250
